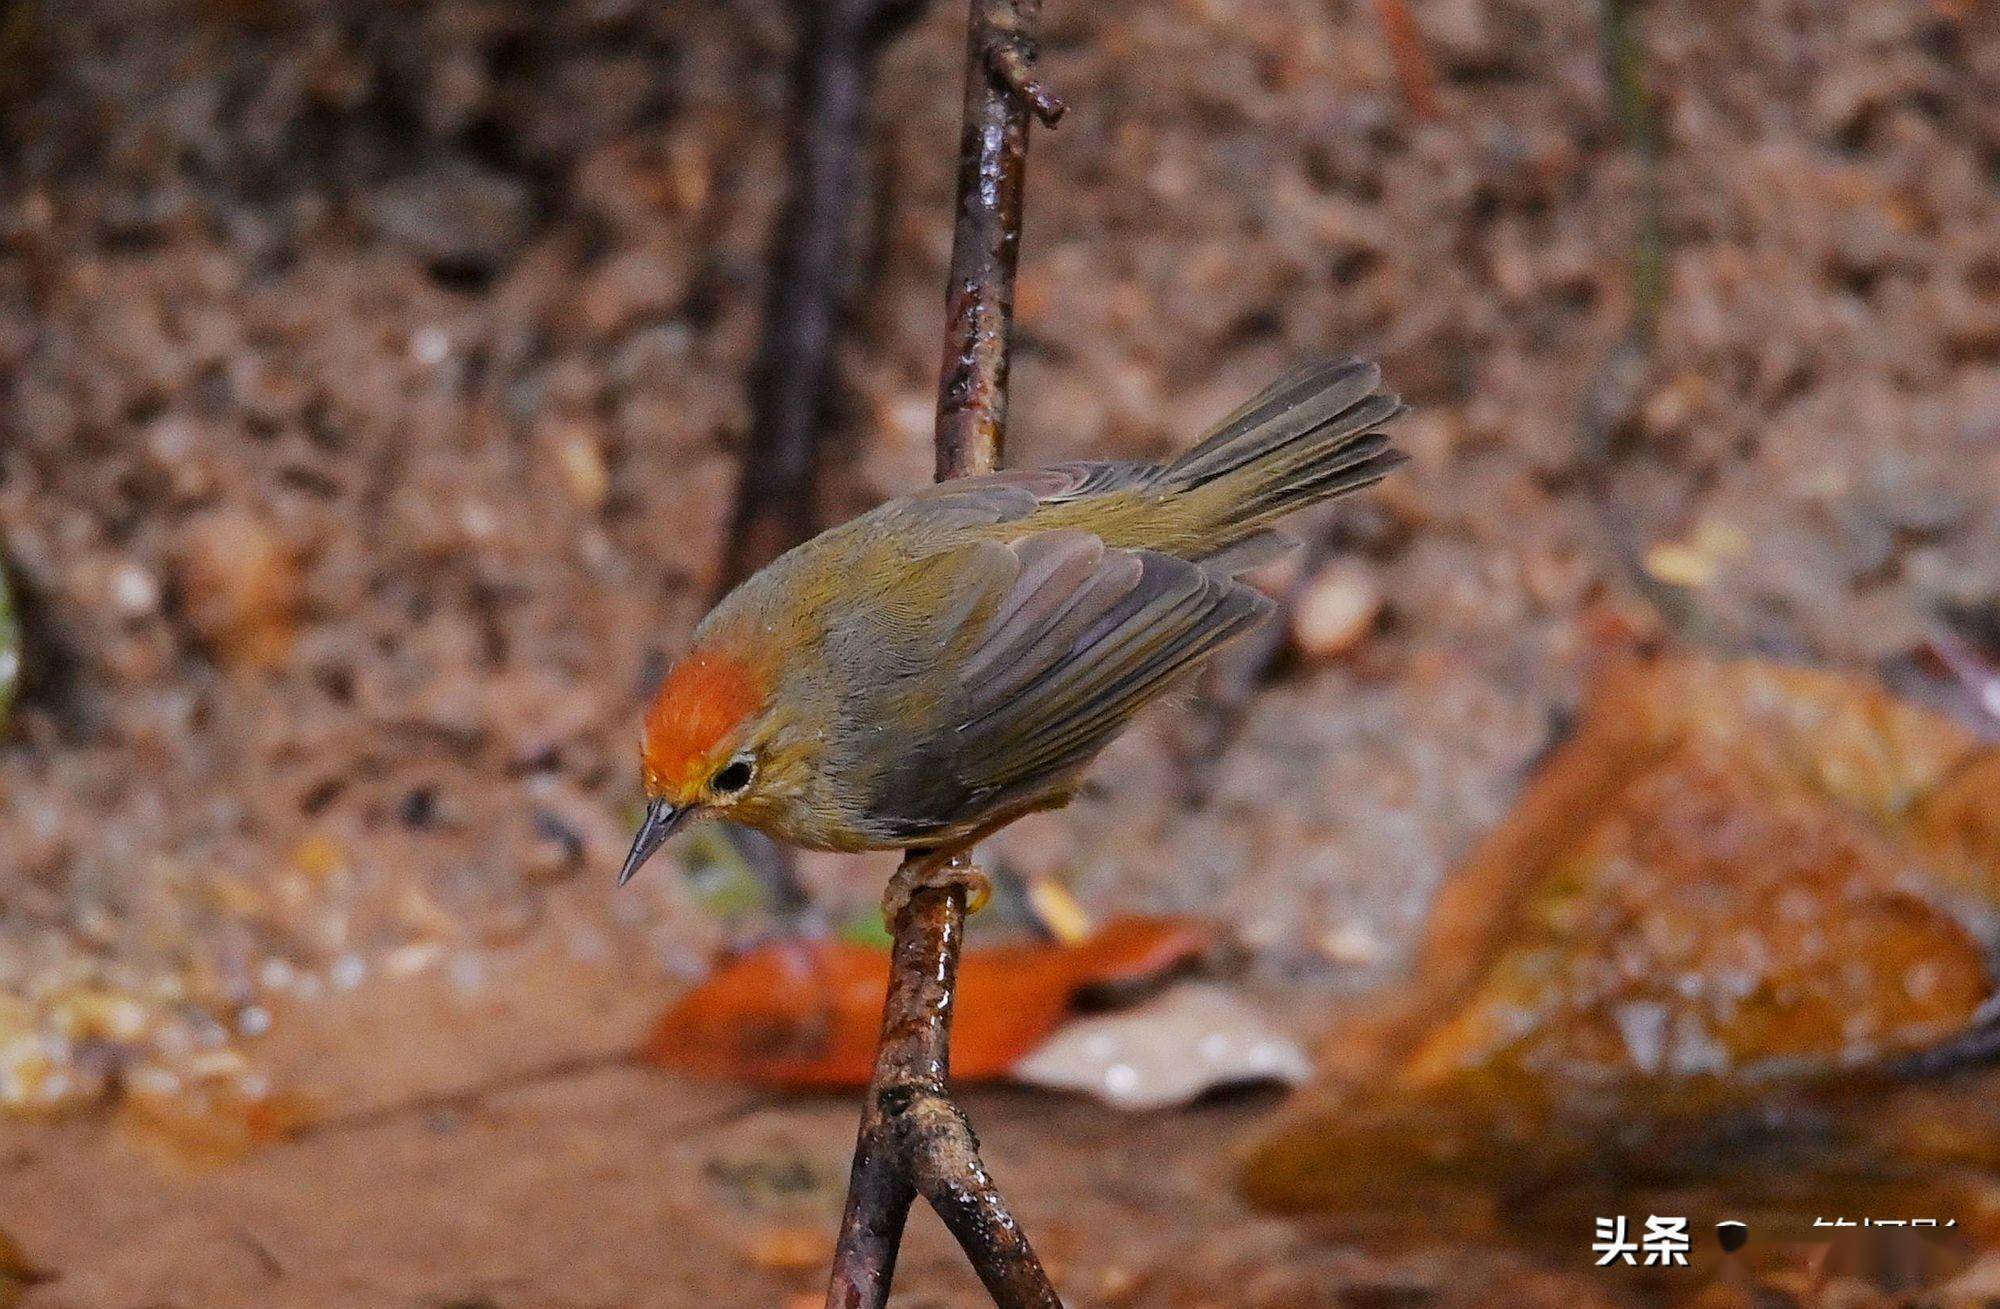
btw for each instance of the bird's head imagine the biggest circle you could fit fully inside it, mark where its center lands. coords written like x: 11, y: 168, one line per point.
x: 698, y: 752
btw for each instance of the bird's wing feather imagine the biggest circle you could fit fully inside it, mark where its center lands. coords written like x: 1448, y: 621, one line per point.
x: 1077, y: 678
x: 1013, y: 493
x: 1069, y: 639
x: 1304, y: 398
x: 1100, y: 477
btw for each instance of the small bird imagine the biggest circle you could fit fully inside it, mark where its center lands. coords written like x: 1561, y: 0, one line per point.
x: 923, y: 674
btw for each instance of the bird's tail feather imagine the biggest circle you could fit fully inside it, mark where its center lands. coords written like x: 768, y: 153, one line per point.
x: 1313, y: 434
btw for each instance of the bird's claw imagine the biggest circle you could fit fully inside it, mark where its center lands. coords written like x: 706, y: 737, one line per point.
x: 935, y: 872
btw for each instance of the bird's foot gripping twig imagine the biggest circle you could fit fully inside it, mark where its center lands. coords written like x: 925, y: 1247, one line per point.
x: 935, y: 868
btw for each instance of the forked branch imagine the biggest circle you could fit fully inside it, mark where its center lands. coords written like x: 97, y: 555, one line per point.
x: 914, y: 1140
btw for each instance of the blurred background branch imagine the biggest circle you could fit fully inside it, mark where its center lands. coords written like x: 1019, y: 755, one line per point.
x: 10, y: 647
x: 1611, y: 404
x: 813, y: 271
x: 812, y: 265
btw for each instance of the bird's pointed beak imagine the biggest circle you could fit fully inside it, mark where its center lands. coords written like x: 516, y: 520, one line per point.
x: 659, y: 824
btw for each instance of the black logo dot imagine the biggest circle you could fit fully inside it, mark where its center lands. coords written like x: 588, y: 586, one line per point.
x: 1732, y: 1234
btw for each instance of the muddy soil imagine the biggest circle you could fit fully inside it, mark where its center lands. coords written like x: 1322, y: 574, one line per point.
x: 372, y: 386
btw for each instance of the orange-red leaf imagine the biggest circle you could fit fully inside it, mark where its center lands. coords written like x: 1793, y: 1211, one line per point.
x: 805, y: 1013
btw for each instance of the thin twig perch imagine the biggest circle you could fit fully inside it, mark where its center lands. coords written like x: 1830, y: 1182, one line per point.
x: 913, y: 1139
x: 986, y: 238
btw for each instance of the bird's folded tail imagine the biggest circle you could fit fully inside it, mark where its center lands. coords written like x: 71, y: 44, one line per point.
x: 1313, y: 434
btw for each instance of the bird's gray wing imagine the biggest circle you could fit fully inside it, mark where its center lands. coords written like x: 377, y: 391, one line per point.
x: 1089, y: 477
x: 1012, y: 494
x: 1301, y: 400
x: 1050, y: 644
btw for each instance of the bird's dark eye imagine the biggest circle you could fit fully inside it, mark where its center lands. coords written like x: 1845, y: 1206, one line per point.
x: 733, y: 777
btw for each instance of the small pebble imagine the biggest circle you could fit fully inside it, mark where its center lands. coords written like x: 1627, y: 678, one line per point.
x: 1336, y: 608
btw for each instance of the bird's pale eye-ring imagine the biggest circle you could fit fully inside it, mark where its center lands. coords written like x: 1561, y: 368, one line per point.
x: 734, y: 777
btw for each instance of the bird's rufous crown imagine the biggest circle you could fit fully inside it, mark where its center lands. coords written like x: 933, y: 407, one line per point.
x: 699, y: 707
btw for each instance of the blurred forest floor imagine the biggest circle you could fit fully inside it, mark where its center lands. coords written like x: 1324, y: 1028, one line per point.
x: 372, y: 381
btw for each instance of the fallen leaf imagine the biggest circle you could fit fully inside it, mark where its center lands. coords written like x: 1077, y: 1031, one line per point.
x: 1681, y: 565
x: 1193, y: 1038
x: 789, y: 1249
x: 1695, y: 562
x: 806, y: 1013
x: 1058, y: 911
